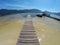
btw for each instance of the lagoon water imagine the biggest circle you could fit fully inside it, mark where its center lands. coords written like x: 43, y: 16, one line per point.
x: 47, y: 29
x: 24, y: 15
x: 56, y: 16
x: 34, y: 15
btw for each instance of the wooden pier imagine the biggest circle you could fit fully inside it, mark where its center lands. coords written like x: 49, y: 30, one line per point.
x: 28, y: 34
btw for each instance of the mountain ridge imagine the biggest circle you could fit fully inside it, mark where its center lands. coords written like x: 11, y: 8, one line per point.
x: 4, y: 12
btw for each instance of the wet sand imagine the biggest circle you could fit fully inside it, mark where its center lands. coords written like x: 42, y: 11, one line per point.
x: 48, y: 30
x: 9, y: 30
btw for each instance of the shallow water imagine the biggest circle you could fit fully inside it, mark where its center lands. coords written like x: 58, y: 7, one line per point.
x: 56, y: 16
x: 10, y: 27
x: 48, y: 30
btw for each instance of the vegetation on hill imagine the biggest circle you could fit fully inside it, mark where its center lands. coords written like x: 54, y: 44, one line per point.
x: 7, y: 12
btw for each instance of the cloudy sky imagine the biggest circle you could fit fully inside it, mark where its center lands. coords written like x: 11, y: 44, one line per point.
x: 49, y: 5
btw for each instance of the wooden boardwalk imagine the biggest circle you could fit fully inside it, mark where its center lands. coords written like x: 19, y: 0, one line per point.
x: 28, y: 34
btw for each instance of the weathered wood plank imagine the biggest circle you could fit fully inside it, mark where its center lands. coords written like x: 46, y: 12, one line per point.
x: 28, y: 34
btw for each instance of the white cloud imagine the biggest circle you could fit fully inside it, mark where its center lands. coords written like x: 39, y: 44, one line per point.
x: 23, y: 6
